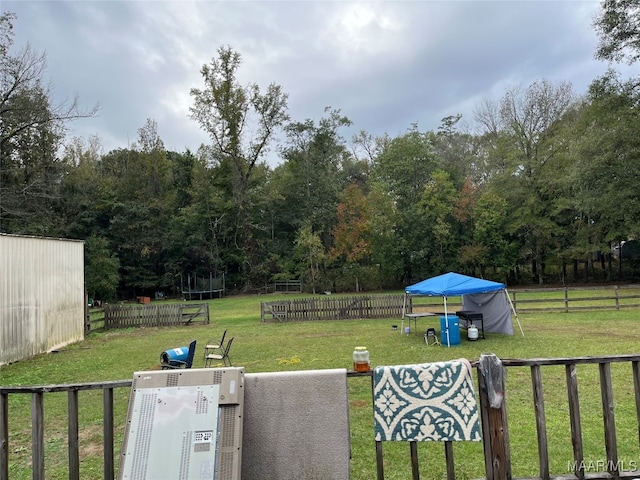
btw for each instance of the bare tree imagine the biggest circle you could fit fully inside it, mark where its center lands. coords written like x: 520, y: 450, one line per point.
x: 32, y: 128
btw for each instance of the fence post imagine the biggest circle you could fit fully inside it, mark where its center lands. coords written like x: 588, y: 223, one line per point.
x: 495, y: 431
x: 610, y: 437
x: 73, y: 429
x: 541, y: 424
x: 108, y: 436
x: 379, y: 457
x: 4, y: 436
x: 87, y: 314
x: 37, y: 435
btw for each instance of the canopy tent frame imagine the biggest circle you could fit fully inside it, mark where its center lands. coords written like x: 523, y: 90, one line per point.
x: 515, y: 312
x: 460, y: 290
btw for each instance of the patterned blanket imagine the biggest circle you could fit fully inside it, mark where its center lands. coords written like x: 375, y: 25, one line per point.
x: 428, y: 402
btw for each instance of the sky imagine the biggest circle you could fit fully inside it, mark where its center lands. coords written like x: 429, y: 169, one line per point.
x: 385, y: 65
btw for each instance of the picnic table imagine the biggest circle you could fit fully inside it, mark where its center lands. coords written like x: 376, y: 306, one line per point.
x: 415, y: 317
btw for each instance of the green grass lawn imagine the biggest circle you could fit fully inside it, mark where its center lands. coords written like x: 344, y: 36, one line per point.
x: 262, y: 347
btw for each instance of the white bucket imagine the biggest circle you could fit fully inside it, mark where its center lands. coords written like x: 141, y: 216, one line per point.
x: 472, y: 333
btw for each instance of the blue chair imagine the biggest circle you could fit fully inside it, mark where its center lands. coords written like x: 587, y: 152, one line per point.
x: 173, y: 359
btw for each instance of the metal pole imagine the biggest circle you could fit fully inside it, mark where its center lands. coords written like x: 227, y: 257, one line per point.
x: 514, y: 311
x: 446, y: 322
x: 404, y: 307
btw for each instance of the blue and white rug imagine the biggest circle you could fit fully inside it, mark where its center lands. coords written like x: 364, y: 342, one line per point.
x: 427, y: 402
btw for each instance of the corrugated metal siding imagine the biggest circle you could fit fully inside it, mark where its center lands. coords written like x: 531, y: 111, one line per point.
x: 41, y: 295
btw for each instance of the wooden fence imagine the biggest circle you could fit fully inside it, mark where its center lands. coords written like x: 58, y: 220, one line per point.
x: 156, y: 315
x: 569, y: 299
x: 495, y: 423
x: 288, y: 286
x: 332, y: 308
x: 93, y: 319
x: 564, y: 299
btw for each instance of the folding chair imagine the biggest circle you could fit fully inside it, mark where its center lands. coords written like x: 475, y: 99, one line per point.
x: 168, y: 363
x: 213, y: 345
x: 431, y: 338
x: 223, y: 357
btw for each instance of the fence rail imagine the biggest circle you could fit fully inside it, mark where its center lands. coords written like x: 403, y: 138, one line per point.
x: 566, y: 299
x: 288, y: 286
x: 94, y: 319
x: 494, y: 421
x: 156, y: 315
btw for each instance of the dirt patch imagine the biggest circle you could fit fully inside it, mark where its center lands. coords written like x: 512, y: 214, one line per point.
x: 324, y: 335
x: 90, y: 440
x: 572, y: 330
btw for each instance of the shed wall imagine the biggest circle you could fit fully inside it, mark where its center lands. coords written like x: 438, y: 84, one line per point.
x: 42, y: 301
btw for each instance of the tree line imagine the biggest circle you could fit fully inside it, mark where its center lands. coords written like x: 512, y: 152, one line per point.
x: 541, y: 187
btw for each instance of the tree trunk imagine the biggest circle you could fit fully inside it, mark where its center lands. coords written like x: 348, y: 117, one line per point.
x: 585, y: 277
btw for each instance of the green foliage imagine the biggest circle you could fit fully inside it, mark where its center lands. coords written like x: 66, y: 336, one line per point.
x: 402, y: 169
x: 606, y: 155
x: 405, y: 164
x: 310, y: 254
x: 490, y: 215
x: 101, y: 269
x: 542, y: 181
x: 311, y: 179
x: 241, y: 122
x: 618, y: 29
x: 526, y: 140
x: 385, y: 245
x: 438, y: 202
x: 31, y: 131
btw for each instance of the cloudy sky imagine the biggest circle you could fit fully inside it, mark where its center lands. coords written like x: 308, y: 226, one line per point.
x: 384, y: 64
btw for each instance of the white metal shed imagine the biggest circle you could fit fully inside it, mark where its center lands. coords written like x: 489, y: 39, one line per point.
x: 42, y: 299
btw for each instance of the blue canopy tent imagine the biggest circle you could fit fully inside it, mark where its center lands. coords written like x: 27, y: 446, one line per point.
x: 477, y: 294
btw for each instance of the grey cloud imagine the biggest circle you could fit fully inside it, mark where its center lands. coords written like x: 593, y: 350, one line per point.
x: 384, y: 64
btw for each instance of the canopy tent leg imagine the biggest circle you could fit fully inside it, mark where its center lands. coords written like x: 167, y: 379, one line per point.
x: 404, y: 309
x: 513, y: 309
x: 446, y: 321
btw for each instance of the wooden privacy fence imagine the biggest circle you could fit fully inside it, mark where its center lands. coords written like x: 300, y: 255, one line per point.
x: 495, y: 422
x: 332, y: 308
x: 156, y: 315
